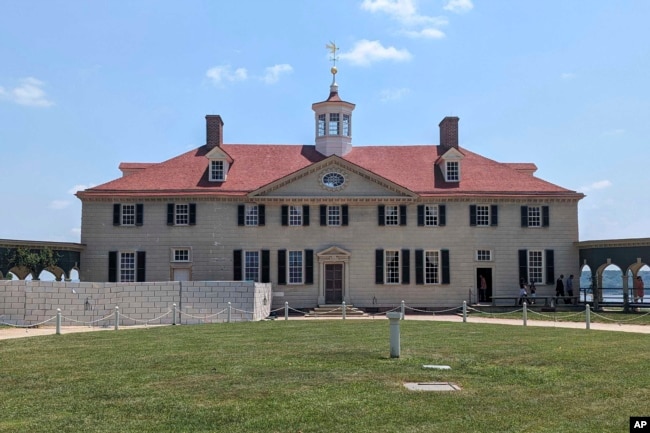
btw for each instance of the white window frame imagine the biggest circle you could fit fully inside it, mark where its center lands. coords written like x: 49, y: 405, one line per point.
x: 295, y: 215
x: 218, y: 174
x: 334, y: 124
x: 391, y: 215
x: 431, y: 215
x: 252, y: 266
x: 483, y: 215
x: 321, y: 125
x: 295, y: 267
x: 127, y: 216
x: 347, y: 125
x: 334, y: 215
x: 251, y: 215
x: 535, y: 261
x: 392, y: 266
x: 534, y: 216
x: 128, y: 266
x: 483, y: 255
x: 431, y: 266
x: 181, y: 214
x: 452, y: 171
x: 181, y: 255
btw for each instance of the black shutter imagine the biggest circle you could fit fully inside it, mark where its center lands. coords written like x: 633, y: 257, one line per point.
x: 524, y: 216
x: 139, y: 214
x: 266, y: 266
x: 494, y: 215
x: 379, y: 266
x: 192, y: 214
x: 309, y: 266
x: 305, y: 215
x: 285, y: 215
x: 116, y: 214
x: 381, y: 215
x: 406, y: 266
x: 170, y: 214
x: 420, y: 215
x: 282, y: 267
x: 523, y: 264
x: 442, y: 215
x: 472, y: 215
x: 444, y: 259
x: 241, y: 215
x: 345, y: 219
x: 419, y: 266
x: 546, y: 216
x: 112, y: 266
x: 402, y: 215
x: 142, y: 264
x: 323, y: 215
x: 261, y: 215
x: 550, y: 266
x: 237, y: 265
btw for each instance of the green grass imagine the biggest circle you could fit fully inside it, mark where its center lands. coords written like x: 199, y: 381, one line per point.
x: 324, y: 376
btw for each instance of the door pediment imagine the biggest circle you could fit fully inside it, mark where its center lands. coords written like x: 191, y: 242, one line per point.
x: 333, y: 254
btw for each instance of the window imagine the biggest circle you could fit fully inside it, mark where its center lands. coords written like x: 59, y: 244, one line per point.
x: 346, y: 125
x: 252, y: 266
x: 430, y: 215
x: 392, y: 215
x: 334, y: 127
x: 180, y: 255
x: 391, y: 267
x: 128, y: 214
x: 452, y: 171
x: 535, y: 266
x: 182, y: 215
x: 483, y: 215
x: 127, y: 267
x: 252, y: 215
x: 535, y: 216
x: 295, y: 215
x: 333, y: 215
x: 484, y: 255
x: 295, y: 267
x: 217, y: 171
x: 431, y: 267
x: 321, y: 125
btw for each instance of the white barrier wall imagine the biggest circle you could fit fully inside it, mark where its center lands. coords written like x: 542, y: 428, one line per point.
x: 34, y: 302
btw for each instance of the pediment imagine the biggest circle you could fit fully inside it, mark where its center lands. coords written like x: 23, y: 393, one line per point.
x: 333, y: 177
x: 218, y: 153
x: 334, y: 251
x: 452, y: 154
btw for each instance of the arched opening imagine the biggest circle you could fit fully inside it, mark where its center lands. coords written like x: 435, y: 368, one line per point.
x: 586, y: 284
x: 46, y: 275
x: 612, y: 284
x: 74, y: 275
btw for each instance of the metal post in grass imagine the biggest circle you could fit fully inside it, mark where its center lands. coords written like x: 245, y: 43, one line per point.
x: 286, y: 311
x: 343, y: 310
x: 588, y: 316
x: 403, y: 310
x: 525, y: 313
x: 173, y: 314
x: 117, y: 318
x: 58, y: 321
x: 464, y: 311
x: 394, y: 318
x: 229, y: 312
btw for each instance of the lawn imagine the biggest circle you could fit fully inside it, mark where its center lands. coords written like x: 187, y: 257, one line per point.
x: 324, y: 376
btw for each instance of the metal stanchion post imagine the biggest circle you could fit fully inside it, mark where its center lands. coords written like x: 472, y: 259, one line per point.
x: 525, y: 314
x: 117, y: 318
x: 58, y: 321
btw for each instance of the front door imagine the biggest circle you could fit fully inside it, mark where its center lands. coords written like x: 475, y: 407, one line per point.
x: 486, y: 296
x: 334, y: 283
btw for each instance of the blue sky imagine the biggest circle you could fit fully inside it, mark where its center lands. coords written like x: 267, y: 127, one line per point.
x: 85, y: 85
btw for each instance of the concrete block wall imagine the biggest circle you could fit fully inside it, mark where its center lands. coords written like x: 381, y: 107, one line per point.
x: 29, y: 303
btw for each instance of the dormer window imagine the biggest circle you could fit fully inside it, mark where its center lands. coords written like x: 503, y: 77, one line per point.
x: 452, y: 171
x: 219, y: 163
x: 217, y: 171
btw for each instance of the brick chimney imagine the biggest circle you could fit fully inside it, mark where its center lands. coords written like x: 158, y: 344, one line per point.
x: 448, y: 133
x: 213, y: 131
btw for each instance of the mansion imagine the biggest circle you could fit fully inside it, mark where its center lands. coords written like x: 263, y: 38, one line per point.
x: 331, y: 222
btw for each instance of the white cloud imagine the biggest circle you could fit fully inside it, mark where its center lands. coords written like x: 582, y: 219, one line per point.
x: 79, y: 187
x: 427, y: 33
x: 459, y: 6
x: 273, y: 73
x: 59, y: 204
x: 224, y: 73
x: 601, y: 184
x: 30, y: 93
x: 404, y: 11
x: 366, y: 52
x: 393, y: 94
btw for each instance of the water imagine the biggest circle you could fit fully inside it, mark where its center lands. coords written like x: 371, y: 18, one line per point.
x: 612, y: 290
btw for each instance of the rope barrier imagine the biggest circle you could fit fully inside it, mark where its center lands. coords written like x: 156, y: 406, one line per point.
x: 147, y: 320
x: 204, y: 317
x: 29, y: 326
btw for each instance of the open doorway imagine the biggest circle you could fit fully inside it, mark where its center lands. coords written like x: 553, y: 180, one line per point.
x: 487, y: 274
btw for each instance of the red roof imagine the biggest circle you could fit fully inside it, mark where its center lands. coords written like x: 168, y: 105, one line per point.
x: 256, y: 165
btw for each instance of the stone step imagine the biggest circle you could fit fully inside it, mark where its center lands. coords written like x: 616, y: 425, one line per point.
x: 335, y: 311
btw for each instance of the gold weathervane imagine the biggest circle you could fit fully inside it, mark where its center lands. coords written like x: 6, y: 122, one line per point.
x: 333, y: 49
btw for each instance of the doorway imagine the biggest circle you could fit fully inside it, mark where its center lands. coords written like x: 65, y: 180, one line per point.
x: 487, y: 274
x: 333, y: 283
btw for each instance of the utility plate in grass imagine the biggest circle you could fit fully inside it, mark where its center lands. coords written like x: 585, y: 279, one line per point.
x: 431, y: 386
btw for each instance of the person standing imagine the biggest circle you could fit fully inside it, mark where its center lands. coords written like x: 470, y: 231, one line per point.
x: 482, y: 287
x: 638, y: 290
x: 523, y: 295
x: 559, y: 287
x: 569, y: 290
x: 533, y: 291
